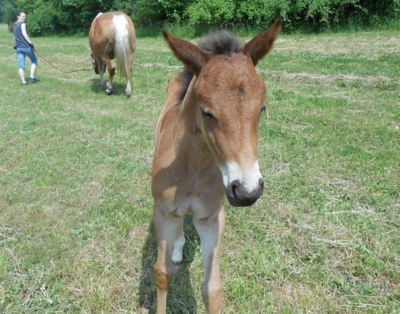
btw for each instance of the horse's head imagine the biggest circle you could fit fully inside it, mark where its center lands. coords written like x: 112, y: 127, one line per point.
x: 228, y: 97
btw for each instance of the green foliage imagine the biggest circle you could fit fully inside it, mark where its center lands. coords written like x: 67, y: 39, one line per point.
x: 7, y: 11
x: 294, y: 13
x: 153, y: 11
x: 214, y: 12
x: 42, y: 20
x: 60, y: 16
x: 381, y: 7
x: 70, y: 21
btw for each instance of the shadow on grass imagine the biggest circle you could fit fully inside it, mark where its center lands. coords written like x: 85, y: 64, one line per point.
x: 181, y: 297
x: 118, y: 87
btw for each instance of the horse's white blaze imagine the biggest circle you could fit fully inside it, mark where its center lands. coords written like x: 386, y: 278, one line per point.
x: 249, y: 177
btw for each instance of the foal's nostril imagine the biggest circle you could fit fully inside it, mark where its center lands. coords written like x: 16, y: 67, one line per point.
x: 234, y: 186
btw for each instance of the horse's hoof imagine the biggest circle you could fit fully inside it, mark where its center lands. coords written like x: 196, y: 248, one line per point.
x: 109, y: 92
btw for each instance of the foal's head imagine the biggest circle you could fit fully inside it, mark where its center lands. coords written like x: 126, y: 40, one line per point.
x: 229, y: 97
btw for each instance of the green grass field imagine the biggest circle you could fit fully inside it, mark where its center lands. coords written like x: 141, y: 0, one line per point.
x: 76, y: 231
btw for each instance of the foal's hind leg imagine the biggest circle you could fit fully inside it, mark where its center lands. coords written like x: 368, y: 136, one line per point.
x: 211, y: 232
x: 170, y: 242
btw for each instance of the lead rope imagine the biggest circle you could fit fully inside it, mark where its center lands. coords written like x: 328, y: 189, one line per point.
x: 47, y: 61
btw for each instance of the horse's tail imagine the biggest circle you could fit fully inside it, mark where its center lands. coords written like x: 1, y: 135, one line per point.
x: 123, y: 45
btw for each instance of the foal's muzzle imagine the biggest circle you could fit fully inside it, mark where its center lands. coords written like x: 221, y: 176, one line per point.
x: 238, y: 196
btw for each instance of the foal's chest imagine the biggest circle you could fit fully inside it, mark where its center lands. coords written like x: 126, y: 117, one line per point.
x: 199, y: 205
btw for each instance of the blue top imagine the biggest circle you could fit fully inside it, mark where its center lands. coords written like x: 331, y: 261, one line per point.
x: 20, y: 41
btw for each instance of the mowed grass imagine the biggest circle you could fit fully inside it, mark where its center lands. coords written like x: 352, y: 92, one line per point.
x: 76, y: 231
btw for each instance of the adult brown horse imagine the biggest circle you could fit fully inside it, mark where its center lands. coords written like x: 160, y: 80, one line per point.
x: 112, y: 35
x: 206, y: 148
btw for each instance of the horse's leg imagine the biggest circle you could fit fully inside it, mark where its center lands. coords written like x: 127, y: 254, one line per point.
x: 102, y: 69
x: 170, y: 242
x: 211, y: 232
x: 111, y: 71
x: 128, y: 90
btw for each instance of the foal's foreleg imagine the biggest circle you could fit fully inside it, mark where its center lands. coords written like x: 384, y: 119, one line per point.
x: 170, y: 242
x: 211, y: 232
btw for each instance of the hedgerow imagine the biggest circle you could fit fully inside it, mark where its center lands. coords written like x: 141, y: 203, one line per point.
x: 75, y: 16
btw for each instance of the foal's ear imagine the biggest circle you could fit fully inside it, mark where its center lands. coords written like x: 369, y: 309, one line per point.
x: 191, y: 55
x: 259, y: 46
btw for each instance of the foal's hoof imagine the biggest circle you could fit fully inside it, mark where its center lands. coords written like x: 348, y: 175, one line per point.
x: 109, y: 92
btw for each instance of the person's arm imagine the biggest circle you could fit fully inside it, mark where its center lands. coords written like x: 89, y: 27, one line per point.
x: 25, y: 34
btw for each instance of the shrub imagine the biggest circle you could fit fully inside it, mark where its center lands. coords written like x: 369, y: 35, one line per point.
x: 60, y: 16
x: 259, y: 12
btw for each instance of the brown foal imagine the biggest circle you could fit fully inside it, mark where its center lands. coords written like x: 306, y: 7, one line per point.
x: 206, y: 148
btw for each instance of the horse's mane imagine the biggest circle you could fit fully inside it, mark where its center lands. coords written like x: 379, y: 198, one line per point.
x: 218, y: 43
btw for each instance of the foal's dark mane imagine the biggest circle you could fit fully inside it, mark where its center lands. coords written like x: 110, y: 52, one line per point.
x: 218, y: 43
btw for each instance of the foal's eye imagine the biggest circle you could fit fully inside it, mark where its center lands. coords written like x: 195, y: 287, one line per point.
x: 262, y: 109
x: 207, y: 114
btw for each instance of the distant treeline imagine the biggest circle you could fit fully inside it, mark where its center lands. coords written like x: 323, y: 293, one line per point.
x: 75, y: 16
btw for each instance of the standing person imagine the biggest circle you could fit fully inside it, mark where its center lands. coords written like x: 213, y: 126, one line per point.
x: 24, y: 47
